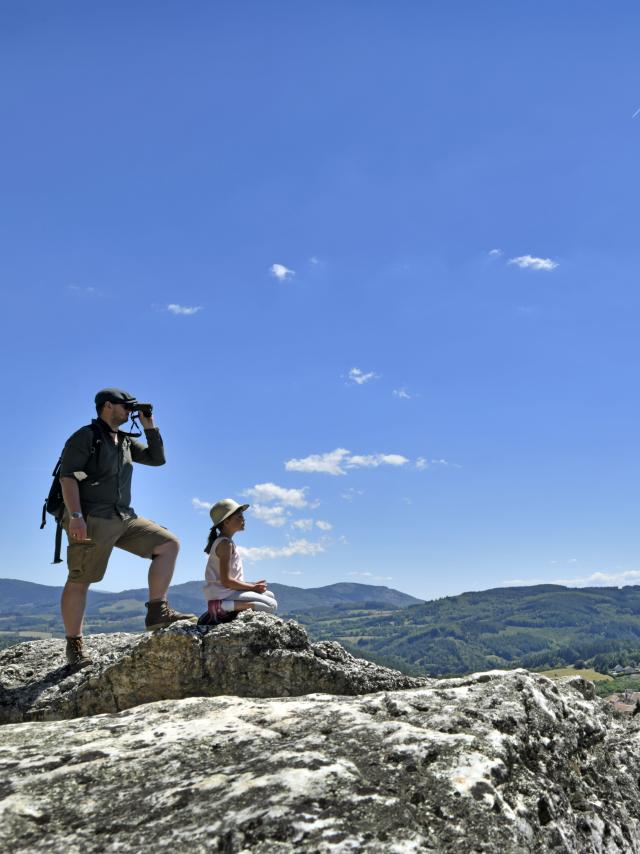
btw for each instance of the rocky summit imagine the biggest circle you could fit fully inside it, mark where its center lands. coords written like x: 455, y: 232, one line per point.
x: 254, y: 656
x: 505, y: 762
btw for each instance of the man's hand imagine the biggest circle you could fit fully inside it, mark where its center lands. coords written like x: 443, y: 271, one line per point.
x: 147, y: 423
x: 78, y: 531
x: 260, y: 586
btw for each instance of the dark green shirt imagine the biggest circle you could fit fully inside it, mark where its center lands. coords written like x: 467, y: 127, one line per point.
x: 106, y: 490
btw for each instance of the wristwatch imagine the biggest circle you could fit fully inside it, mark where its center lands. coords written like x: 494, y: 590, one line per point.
x: 76, y: 516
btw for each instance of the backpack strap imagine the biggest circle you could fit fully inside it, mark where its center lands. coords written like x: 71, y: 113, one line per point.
x: 58, y: 542
x: 97, y: 440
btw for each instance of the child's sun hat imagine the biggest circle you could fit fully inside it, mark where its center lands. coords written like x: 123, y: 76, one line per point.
x: 221, y: 510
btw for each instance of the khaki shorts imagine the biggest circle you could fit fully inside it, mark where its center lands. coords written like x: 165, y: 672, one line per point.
x: 88, y: 561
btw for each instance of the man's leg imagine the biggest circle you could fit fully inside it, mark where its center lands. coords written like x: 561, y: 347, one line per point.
x: 87, y: 562
x: 72, y: 605
x: 163, y: 562
x: 147, y: 539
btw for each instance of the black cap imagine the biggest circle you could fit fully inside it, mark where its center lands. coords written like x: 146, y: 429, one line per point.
x: 114, y: 395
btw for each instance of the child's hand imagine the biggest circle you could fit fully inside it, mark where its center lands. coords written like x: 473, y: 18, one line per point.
x: 260, y: 586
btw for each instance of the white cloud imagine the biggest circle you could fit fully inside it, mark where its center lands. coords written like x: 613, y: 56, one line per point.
x: 174, y: 308
x: 307, y: 525
x: 274, y: 516
x: 370, y: 576
x: 201, y: 505
x: 424, y: 463
x: 528, y: 261
x: 314, y: 260
x: 335, y: 462
x: 291, y: 572
x: 402, y: 393
x: 281, y: 272
x: 263, y: 493
x: 329, y: 463
x: 495, y: 253
x: 602, y: 579
x: 360, y: 378
x: 375, y: 460
x: 351, y: 493
x: 300, y: 548
x: 87, y: 291
x: 596, y: 579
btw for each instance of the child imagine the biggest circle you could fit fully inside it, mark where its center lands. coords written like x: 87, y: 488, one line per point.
x: 224, y: 587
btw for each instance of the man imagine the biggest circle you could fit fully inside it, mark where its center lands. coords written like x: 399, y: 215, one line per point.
x: 95, y: 477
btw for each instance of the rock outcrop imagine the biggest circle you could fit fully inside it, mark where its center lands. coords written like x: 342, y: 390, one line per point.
x: 254, y: 656
x: 506, y: 762
x: 498, y: 762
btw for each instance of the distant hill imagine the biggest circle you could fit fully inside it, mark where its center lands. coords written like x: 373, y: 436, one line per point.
x: 541, y: 626
x: 34, y: 608
x: 537, y: 627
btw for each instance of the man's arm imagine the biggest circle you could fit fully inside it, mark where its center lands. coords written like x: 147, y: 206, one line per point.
x: 153, y: 453
x: 71, y: 496
x: 75, y: 456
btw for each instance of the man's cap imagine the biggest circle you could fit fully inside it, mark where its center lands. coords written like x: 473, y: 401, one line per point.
x: 223, y: 509
x: 114, y: 395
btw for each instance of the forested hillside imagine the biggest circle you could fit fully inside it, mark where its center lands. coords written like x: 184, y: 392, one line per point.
x: 535, y: 627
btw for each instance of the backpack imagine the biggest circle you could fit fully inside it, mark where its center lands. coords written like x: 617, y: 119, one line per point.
x: 54, y: 502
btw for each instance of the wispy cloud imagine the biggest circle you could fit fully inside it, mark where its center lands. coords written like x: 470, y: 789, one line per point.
x: 495, y: 253
x: 528, y: 261
x: 637, y: 113
x: 314, y: 260
x: 264, y: 493
x: 270, y: 515
x: 296, y: 548
x: 337, y: 462
x: 201, y: 505
x: 174, y: 308
x: 83, y: 290
x: 370, y: 576
x: 402, y: 393
x: 351, y: 493
x: 329, y: 463
x: 595, y: 579
x: 375, y: 460
x: 281, y: 272
x: 360, y: 377
x: 307, y: 524
x: 424, y: 463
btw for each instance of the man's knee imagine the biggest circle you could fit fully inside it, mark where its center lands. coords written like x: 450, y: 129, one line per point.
x: 169, y: 548
x: 76, y: 586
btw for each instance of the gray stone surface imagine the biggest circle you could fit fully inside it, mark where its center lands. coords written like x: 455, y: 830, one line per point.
x: 254, y: 656
x: 506, y: 763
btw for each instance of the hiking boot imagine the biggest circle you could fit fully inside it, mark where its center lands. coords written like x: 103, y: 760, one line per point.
x: 77, y: 658
x: 160, y: 615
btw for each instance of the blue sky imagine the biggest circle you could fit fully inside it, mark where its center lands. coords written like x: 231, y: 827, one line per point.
x: 376, y: 265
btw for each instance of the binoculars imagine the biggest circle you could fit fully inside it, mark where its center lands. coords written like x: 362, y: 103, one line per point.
x: 145, y: 409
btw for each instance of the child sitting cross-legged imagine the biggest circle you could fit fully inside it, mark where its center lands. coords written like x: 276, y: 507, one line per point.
x: 225, y: 588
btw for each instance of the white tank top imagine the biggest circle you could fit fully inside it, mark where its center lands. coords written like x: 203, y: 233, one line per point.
x: 213, y: 588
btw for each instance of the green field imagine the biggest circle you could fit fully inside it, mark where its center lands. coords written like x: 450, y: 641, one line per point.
x: 585, y: 672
